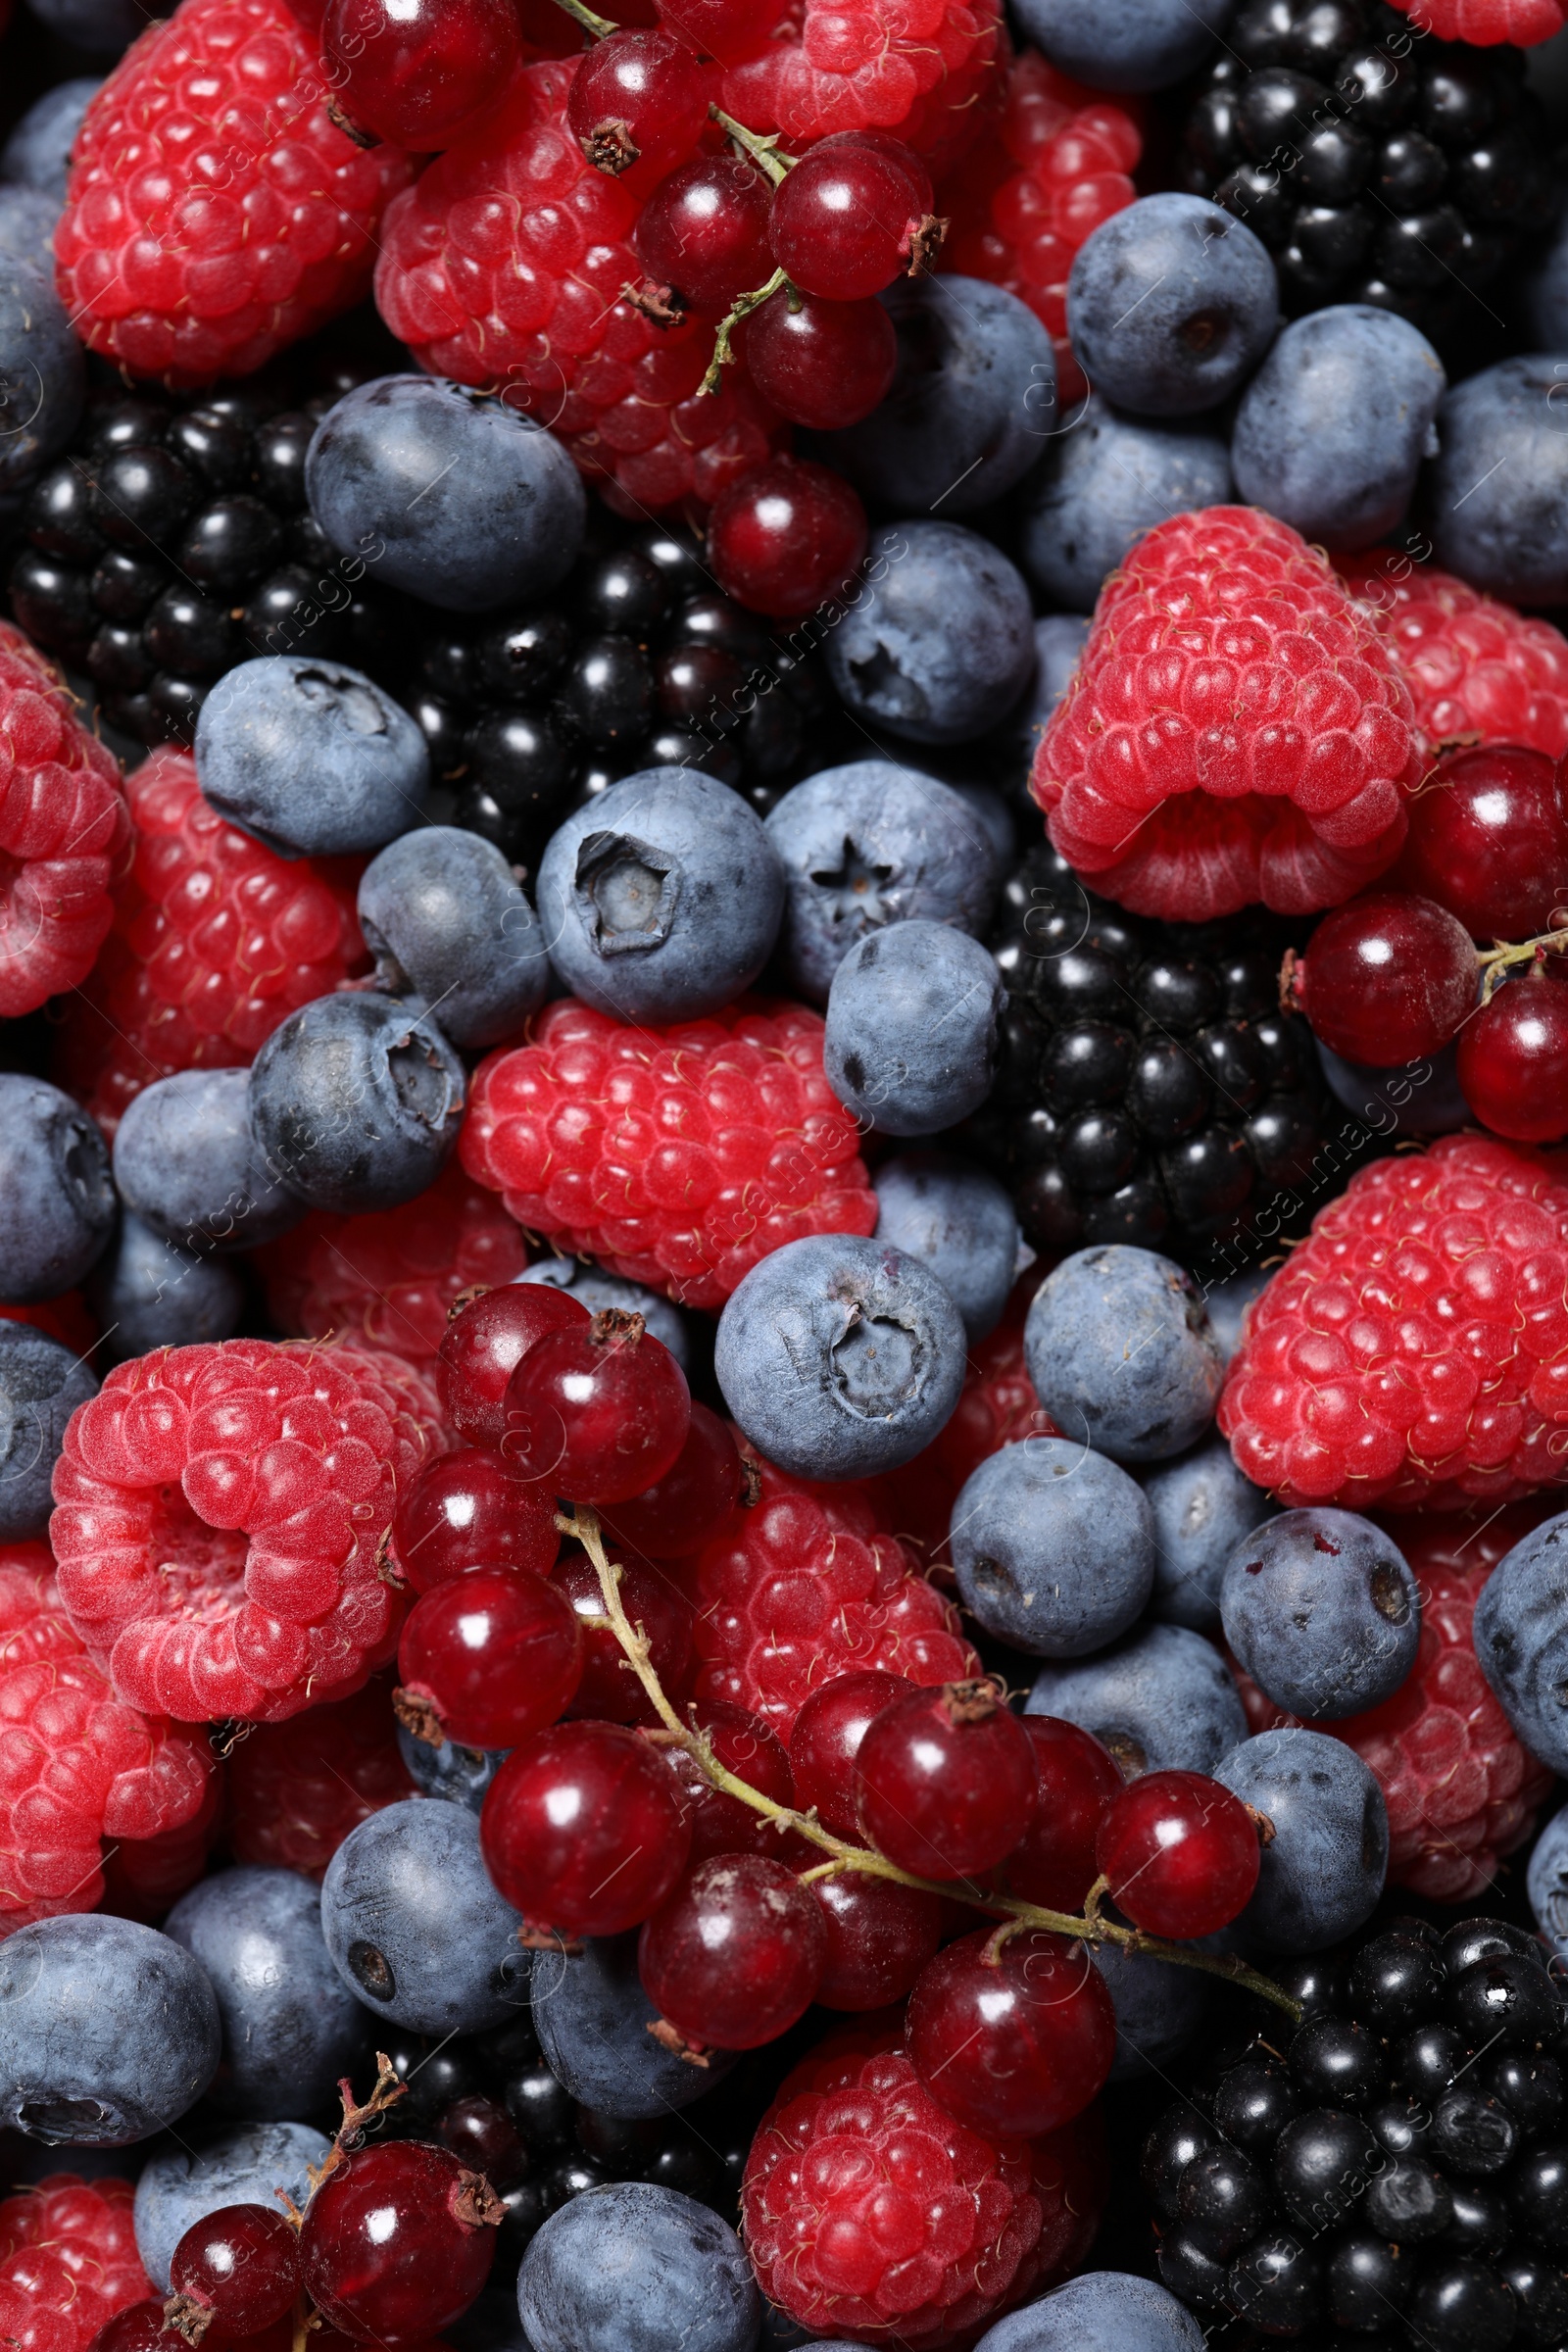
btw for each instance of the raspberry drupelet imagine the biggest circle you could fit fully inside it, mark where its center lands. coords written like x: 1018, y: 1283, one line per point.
x: 922, y: 69
x: 1477, y: 670
x: 295, y: 1790
x: 1485, y: 22
x: 68, y: 2261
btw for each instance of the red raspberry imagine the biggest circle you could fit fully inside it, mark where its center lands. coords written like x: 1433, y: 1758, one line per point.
x: 919, y: 68
x: 221, y: 1517
x: 1235, y: 729
x: 216, y: 941
x: 76, y: 1767
x: 1413, y: 1350
x: 216, y: 213
x: 295, y: 1790
x: 504, y: 265
x: 144, y: 1876
x: 1478, y: 672
x: 680, y: 1157
x: 1485, y: 22
x: 1021, y: 205
x: 388, y: 1279
x: 63, y: 832
x: 68, y: 2262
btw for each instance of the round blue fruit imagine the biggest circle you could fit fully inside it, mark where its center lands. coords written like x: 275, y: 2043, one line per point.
x: 960, y: 1222
x: 1170, y: 305
x: 1498, y: 490
x: 911, y: 1044
x: 356, y: 1102
x: 632, y: 2268
x: 1546, y: 1881
x: 1104, y: 481
x: 460, y: 1774
x: 37, y: 153
x: 1119, y: 1348
x: 941, y: 645
x: 416, y: 1928
x: 1520, y: 1631
x: 41, y: 1385
x: 592, y: 2017
x: 246, y: 2164
x: 1202, y: 1507
x: 148, y: 1292
x: 1123, y: 45
x: 43, y: 378
x: 103, y: 28
x: 1159, y: 2007
x: 1322, y: 1872
x: 108, y: 2031
x: 186, y: 1164
x: 311, y: 756
x: 1100, y: 2311
x: 56, y: 1199
x: 1161, y: 1701
x: 444, y: 917
x: 1321, y: 1609
x: 1054, y: 1548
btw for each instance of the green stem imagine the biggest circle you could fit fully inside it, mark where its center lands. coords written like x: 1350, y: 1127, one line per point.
x: 1503, y: 958
x: 742, y: 308
x: 600, y: 28
x: 761, y: 146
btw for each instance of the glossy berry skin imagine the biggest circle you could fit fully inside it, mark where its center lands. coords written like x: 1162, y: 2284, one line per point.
x: 470, y: 1510
x: 1013, y: 2036
x: 1053, y: 1862
x: 848, y: 218
x: 240, y: 2267
x: 608, y: 1689
x: 1386, y: 979
x: 880, y: 1935
x: 484, y: 1344
x: 734, y: 1955
x: 1181, y: 1853
x: 786, y: 536
x: 1513, y: 1060
x: 687, y: 1507
x: 601, y: 1414
x: 826, y: 365
x: 703, y: 232
x: 393, y: 2247
x: 420, y: 77
x: 1489, y: 840
x: 729, y: 30
x: 493, y: 1656
x: 945, y: 1782
x: 638, y: 106
x: 826, y: 1739
x: 583, y: 1830
x: 745, y: 1746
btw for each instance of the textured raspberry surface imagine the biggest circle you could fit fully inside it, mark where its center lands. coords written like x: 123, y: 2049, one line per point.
x: 679, y: 1158
x: 504, y: 265
x: 1485, y: 22
x: 387, y: 1279
x: 1413, y: 1350
x: 144, y: 1876
x: 221, y: 1519
x: 216, y: 941
x: 1236, y: 729
x: 920, y: 67
x: 63, y: 832
x: 215, y: 211
x: 77, y: 1766
x: 68, y: 2262
x: 295, y: 1790
x: 1021, y: 205
x: 1477, y: 670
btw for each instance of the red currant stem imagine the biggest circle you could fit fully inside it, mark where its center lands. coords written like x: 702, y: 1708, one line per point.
x: 762, y: 147
x: 600, y: 28
x: 1093, y: 1899
x: 742, y: 308
x: 583, y: 1526
x: 1501, y: 958
x: 301, y: 2317
x: 351, y: 2131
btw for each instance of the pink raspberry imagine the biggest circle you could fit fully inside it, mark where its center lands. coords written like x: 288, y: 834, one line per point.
x: 1235, y: 730
x: 679, y: 1158
x: 919, y: 68
x: 68, y: 2262
x: 295, y: 1790
x: 221, y: 1519
x: 1485, y: 22
x: 216, y: 213
x: 1478, y: 672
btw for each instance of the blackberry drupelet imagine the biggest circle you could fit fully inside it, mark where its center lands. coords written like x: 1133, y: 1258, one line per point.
x: 1149, y: 1087
x: 1376, y: 164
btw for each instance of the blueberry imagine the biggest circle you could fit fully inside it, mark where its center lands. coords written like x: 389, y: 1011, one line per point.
x: 27, y: 219
x: 1546, y: 1881
x: 1498, y: 491
x: 291, y: 2029
x: 1545, y: 291
x: 451, y: 494
x: 245, y: 2165
x: 1054, y: 1548
x: 43, y: 378
x: 1099, y: 2311
x: 840, y: 1357
x: 1104, y: 483
x: 444, y: 916
x: 1170, y: 305
x: 1323, y: 1612
x: 1159, y: 2007
x: 1202, y: 1507
x: 872, y: 844
x: 941, y: 643
x: 1125, y: 44
x: 355, y: 1102
x: 631, y: 2267
x: 41, y: 1385
x: 974, y: 396
x: 108, y: 2031
x: 592, y: 2017
x: 1520, y: 1631
x: 37, y: 153
x: 1059, y: 641
x: 414, y: 1925
x: 1418, y: 1098
x: 186, y: 1164
x: 310, y: 758
x: 1161, y: 1701
x: 911, y: 1028
x: 148, y: 1292
x: 1227, y: 1303
x: 461, y: 1775
x: 1118, y: 1346
x: 1323, y: 1872
x: 57, y: 1202
x: 662, y: 899
x: 598, y: 1289
x: 103, y: 28
x: 957, y: 1221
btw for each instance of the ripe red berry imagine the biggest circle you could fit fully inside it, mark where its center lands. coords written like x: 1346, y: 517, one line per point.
x: 851, y: 216
x: 236, y: 2269
x: 1012, y: 2033
x: 703, y: 232
x: 1489, y: 840
x: 1053, y: 1862
x: 825, y: 364
x: 879, y: 1938
x: 601, y: 1414
x: 1180, y: 1853
x: 639, y: 102
x: 744, y: 1744
x: 1387, y: 978
x: 610, y: 1692
x: 491, y: 1657
x: 1513, y: 1060
x: 786, y: 537
x: 470, y: 1509
x: 688, y: 1506
x: 583, y: 1830
x: 484, y: 1344
x: 729, y: 30
x: 733, y: 1957
x: 396, y: 2243
x: 421, y: 73
x: 944, y: 1781
x: 138, y: 2327
x: 826, y: 1739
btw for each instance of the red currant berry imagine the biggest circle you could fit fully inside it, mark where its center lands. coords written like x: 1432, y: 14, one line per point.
x: 851, y: 216
x: 483, y: 1345
x: 583, y: 1830
x: 139, y: 2328
x: 610, y: 1692
x: 1513, y: 1060
x: 688, y: 1506
x: 1180, y: 1853
x: 488, y: 1658
x: 398, y: 2241
x: 944, y: 1781
x: 236, y: 2269
x: 421, y: 73
x: 746, y: 1746
x: 1386, y: 979
x: 601, y: 1414
x: 731, y: 30
x: 786, y: 537
x: 894, y: 151
x: 826, y: 1739
x: 639, y: 105
x: 879, y: 1936
x: 1014, y: 2034
x: 1054, y: 1863
x: 703, y: 231
x: 734, y: 1956
x: 821, y: 364
x: 1489, y: 840
x: 470, y: 1509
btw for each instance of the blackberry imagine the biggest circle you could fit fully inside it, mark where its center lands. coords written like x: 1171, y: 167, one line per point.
x: 1376, y: 164
x: 1405, y: 2209
x: 1149, y: 1085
